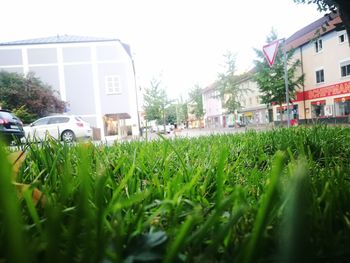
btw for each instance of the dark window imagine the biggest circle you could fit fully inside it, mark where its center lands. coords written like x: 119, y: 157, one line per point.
x: 319, y: 76
x: 342, y: 108
x: 345, y: 70
x: 318, y: 45
x: 41, y: 122
x: 341, y: 38
x: 55, y: 120
x: 317, y: 111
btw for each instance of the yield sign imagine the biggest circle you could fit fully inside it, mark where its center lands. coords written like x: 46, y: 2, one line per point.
x: 270, y: 51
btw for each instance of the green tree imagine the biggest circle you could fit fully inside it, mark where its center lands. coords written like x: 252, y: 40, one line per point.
x: 182, y: 111
x: 197, y: 101
x: 155, y: 101
x: 171, y: 114
x: 229, y: 91
x: 24, y: 115
x: 342, y: 6
x: 28, y: 93
x: 271, y: 81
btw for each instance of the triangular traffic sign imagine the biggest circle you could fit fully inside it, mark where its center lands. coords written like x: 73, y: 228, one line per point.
x: 270, y: 51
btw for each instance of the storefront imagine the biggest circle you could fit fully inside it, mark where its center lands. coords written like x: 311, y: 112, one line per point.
x: 318, y: 108
x: 258, y: 115
x: 342, y: 106
x: 282, y: 113
x: 213, y: 122
x: 247, y: 117
x: 330, y: 102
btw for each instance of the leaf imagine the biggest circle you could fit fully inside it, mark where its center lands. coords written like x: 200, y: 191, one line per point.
x: 16, y: 159
x: 37, y: 195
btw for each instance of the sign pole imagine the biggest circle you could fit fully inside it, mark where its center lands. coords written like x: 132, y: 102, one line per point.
x: 270, y: 52
x: 286, y: 79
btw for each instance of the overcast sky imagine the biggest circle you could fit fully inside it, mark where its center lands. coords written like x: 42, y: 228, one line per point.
x: 180, y: 42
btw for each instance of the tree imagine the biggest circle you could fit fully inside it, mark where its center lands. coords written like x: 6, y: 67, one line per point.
x: 29, y: 94
x: 171, y: 114
x: 197, y: 101
x: 227, y: 84
x: 182, y: 111
x: 271, y: 81
x: 155, y: 101
x: 342, y: 6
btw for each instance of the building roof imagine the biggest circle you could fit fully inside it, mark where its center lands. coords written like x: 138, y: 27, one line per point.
x: 210, y: 87
x: 58, y: 39
x: 329, y: 22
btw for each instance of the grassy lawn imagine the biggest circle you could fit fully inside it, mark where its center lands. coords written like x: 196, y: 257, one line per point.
x: 275, y: 196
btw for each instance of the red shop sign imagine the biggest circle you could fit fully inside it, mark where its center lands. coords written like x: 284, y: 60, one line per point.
x: 332, y: 90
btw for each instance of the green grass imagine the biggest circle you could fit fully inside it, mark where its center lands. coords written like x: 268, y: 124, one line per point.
x: 281, y: 195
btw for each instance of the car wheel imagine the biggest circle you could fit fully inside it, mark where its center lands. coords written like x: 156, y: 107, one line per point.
x: 68, y: 136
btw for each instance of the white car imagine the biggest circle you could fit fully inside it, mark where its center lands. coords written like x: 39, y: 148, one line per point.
x: 67, y: 128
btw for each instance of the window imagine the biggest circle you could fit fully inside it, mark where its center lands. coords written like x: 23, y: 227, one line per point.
x: 112, y: 85
x: 318, y: 108
x: 341, y: 38
x: 257, y: 99
x: 319, y: 76
x: 43, y: 121
x: 345, y: 69
x: 56, y: 120
x: 318, y: 45
x: 342, y: 106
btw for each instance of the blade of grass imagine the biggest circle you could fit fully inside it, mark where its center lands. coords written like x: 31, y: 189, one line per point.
x: 252, y: 250
x: 10, y: 214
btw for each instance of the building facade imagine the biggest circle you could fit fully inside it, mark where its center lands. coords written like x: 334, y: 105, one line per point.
x: 325, y: 61
x: 193, y: 121
x: 213, y: 109
x: 95, y: 76
x: 252, y: 111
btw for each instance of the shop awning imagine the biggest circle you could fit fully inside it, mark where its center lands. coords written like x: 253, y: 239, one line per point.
x: 342, y: 99
x: 318, y: 102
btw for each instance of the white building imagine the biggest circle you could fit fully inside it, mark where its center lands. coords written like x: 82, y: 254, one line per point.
x: 95, y: 76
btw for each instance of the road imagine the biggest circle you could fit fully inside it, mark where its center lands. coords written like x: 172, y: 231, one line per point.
x: 188, y: 133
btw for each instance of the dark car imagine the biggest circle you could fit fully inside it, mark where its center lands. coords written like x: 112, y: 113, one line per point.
x: 11, y: 127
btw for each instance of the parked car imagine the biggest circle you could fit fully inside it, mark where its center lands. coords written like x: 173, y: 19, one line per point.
x: 11, y: 127
x: 160, y: 129
x: 67, y: 128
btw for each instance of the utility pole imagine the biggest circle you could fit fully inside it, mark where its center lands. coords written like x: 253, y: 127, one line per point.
x: 286, y: 79
x: 164, y: 117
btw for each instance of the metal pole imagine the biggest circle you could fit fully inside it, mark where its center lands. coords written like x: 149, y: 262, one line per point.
x: 137, y: 101
x: 286, y: 79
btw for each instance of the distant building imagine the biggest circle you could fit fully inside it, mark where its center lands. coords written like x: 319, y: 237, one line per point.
x: 213, y: 109
x: 95, y: 76
x: 193, y: 121
x: 252, y: 110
